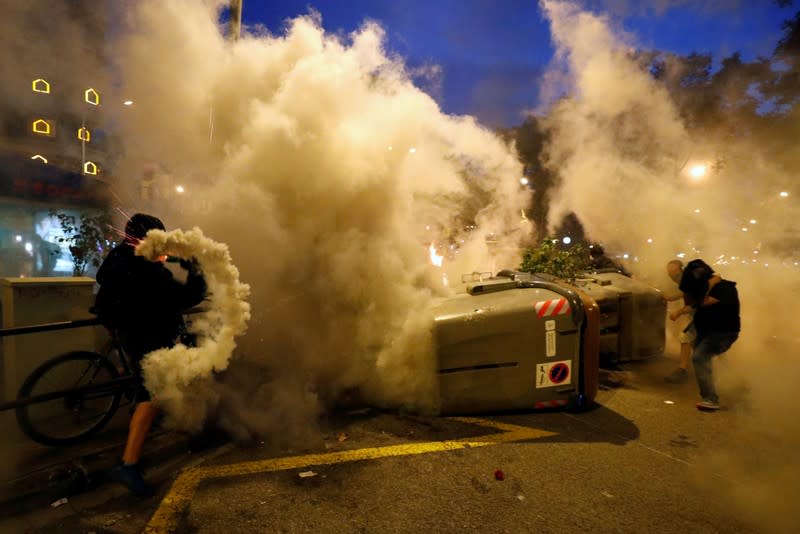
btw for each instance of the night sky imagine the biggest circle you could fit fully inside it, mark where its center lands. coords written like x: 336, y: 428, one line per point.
x: 492, y: 52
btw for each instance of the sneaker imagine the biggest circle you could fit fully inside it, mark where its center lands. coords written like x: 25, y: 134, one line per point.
x: 130, y: 476
x: 707, y: 405
x: 678, y: 376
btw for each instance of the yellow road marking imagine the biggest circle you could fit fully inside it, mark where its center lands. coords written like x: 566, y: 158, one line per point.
x: 166, y: 517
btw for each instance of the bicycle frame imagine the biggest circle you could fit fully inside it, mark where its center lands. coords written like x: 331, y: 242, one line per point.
x: 104, y: 389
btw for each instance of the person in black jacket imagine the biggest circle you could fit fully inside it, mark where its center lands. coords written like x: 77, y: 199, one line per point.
x: 142, y: 302
x: 599, y: 261
x: 716, y: 323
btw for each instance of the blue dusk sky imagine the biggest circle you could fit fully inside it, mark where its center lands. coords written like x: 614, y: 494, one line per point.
x: 493, y: 52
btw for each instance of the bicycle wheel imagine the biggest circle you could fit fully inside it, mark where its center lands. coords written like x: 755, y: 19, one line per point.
x: 72, y: 416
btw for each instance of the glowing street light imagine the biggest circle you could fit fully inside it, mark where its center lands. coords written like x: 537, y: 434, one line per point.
x: 784, y: 194
x: 697, y: 210
x: 524, y: 181
x: 179, y: 189
x: 753, y: 221
x: 567, y: 240
x: 436, y: 259
x: 128, y: 103
x: 698, y: 171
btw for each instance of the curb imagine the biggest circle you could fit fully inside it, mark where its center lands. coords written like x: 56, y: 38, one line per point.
x: 75, y: 474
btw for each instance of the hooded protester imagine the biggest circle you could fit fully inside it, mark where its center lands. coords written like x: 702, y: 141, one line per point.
x: 716, y: 323
x: 142, y: 303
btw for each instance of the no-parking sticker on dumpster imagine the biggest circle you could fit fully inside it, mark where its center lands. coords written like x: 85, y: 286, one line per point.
x: 553, y: 374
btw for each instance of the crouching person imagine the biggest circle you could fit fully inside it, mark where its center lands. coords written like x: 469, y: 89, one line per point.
x: 716, y: 322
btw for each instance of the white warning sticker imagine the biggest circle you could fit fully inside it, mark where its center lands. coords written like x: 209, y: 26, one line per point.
x: 553, y: 374
x: 550, y: 324
x: 550, y: 343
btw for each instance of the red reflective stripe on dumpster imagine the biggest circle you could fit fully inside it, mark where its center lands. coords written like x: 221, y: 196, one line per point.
x: 549, y: 308
x: 550, y: 404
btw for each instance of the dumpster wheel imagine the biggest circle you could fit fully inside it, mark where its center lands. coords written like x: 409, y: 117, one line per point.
x: 579, y: 403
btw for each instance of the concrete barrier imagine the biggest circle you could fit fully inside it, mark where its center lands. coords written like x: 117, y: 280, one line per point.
x: 33, y: 301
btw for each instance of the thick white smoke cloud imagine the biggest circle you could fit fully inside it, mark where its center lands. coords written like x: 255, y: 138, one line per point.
x: 178, y: 377
x: 328, y: 173
x: 622, y: 153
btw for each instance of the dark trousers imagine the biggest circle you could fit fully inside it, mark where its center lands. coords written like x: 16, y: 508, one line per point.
x: 705, y: 348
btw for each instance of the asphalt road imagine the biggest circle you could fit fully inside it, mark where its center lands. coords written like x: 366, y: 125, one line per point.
x: 643, y: 460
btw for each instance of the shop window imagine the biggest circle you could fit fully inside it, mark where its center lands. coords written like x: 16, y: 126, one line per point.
x: 92, y: 97
x: 44, y: 127
x: 84, y: 135
x: 40, y: 86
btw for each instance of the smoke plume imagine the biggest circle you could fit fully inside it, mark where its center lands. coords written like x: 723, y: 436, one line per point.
x: 178, y: 377
x: 328, y: 174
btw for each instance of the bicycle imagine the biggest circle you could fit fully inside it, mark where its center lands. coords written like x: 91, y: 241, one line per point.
x: 74, y: 395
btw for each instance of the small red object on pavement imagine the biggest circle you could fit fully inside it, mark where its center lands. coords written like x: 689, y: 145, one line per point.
x: 498, y: 475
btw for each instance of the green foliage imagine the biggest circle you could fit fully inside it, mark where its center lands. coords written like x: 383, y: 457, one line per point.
x: 551, y: 257
x: 87, y: 238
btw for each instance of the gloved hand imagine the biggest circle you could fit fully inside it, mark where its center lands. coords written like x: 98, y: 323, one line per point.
x: 191, y: 265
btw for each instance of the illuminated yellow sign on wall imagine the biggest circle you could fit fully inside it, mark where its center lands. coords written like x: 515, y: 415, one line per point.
x: 84, y: 135
x: 42, y: 127
x: 40, y: 86
x: 40, y: 158
x: 92, y: 97
x: 89, y: 168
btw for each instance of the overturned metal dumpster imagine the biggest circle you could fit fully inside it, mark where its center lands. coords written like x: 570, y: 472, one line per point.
x: 517, y: 341
x: 525, y: 341
x: 632, y: 316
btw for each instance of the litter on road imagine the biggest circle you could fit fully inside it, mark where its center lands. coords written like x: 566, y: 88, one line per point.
x: 59, y: 502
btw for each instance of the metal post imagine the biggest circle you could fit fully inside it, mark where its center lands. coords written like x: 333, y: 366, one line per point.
x: 234, y: 32
x: 235, y: 25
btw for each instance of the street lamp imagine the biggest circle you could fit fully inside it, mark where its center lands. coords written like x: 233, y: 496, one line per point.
x: 698, y: 171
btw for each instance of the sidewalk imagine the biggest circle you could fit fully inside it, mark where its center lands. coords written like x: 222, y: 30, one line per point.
x: 33, y: 477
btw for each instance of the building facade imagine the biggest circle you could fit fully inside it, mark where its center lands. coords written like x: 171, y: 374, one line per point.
x: 55, y: 152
